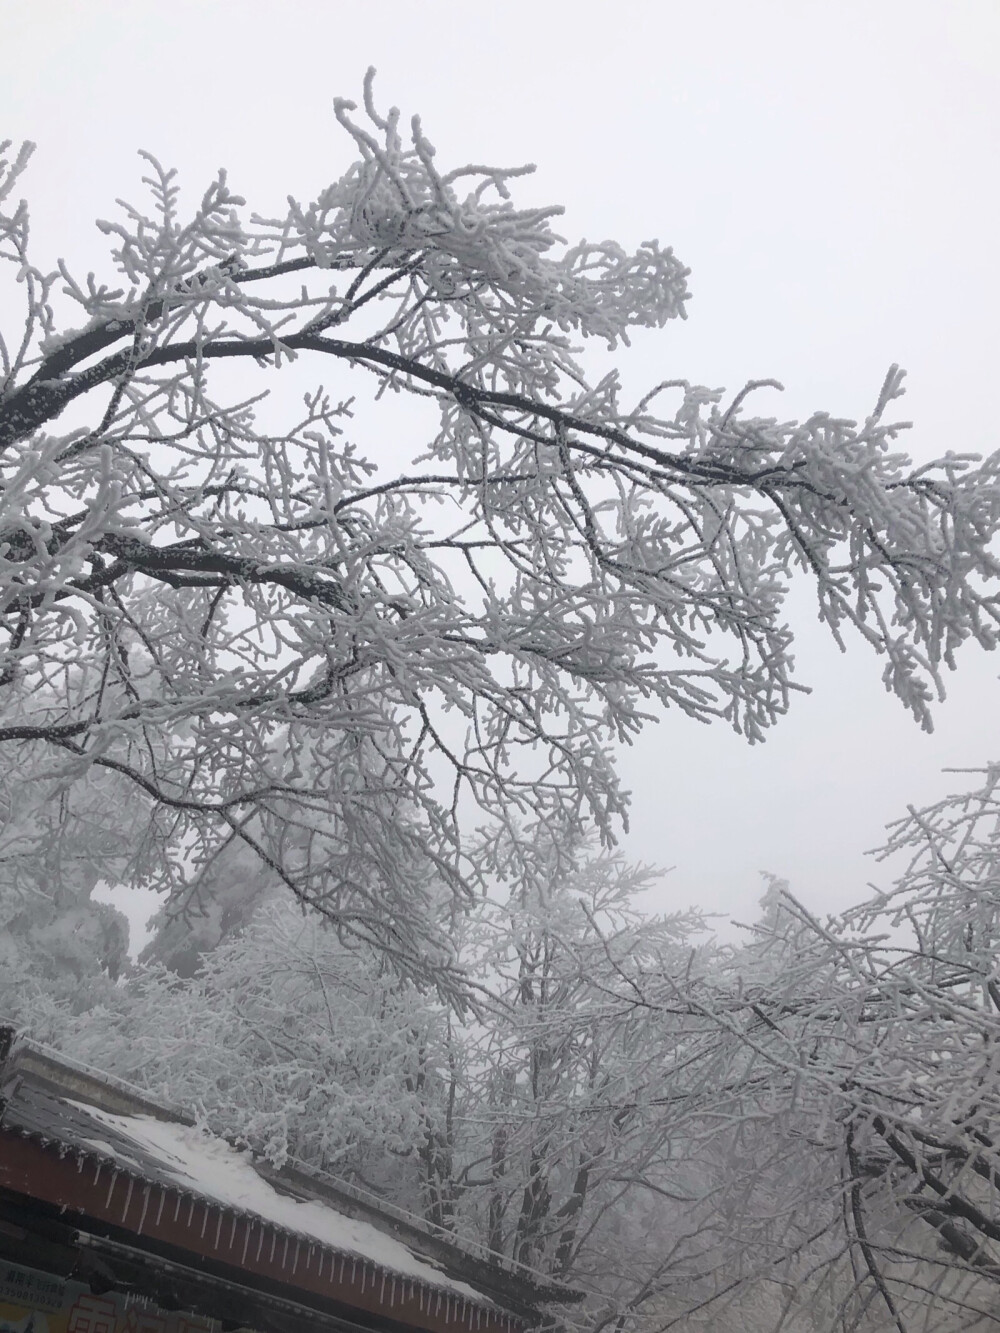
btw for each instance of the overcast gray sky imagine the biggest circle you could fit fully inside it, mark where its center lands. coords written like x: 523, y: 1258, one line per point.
x: 828, y: 169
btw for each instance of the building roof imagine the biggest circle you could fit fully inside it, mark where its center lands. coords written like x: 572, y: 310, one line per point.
x: 146, y: 1186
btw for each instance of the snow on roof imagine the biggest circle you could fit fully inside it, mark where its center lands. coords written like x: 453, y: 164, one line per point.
x: 202, y: 1164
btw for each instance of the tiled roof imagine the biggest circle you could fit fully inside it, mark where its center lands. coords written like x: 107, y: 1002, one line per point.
x: 120, y: 1130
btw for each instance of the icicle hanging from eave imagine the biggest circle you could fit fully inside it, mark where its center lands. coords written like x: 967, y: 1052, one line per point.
x: 128, y: 1196
x: 145, y: 1206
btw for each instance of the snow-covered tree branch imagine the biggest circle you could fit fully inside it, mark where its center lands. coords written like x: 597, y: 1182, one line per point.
x: 854, y: 1080
x: 285, y: 637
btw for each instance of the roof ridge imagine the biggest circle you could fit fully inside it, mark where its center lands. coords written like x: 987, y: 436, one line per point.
x: 20, y: 1053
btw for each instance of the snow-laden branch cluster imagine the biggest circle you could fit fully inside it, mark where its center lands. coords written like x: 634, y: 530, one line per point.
x: 285, y: 632
x: 844, y: 1079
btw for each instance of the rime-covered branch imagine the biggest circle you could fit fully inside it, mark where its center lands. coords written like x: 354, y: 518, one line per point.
x: 275, y: 613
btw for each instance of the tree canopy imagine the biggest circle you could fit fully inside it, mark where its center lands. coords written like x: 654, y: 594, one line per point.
x: 281, y: 635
